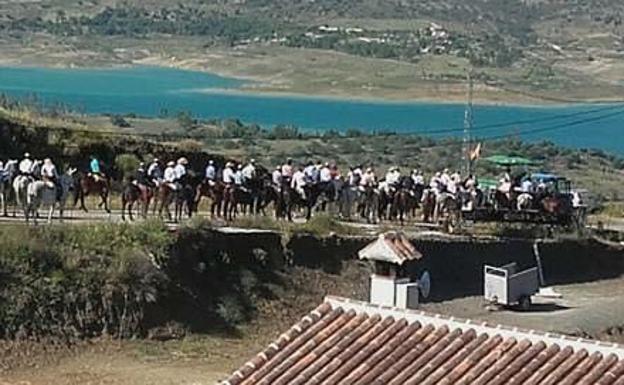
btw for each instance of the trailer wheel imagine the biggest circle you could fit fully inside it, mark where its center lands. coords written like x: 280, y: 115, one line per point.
x: 525, y: 302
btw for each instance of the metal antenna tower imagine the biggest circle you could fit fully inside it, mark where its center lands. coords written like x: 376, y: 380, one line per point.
x: 468, y: 122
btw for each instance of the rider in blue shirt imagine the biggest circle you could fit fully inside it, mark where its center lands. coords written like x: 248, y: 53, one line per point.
x: 94, y: 166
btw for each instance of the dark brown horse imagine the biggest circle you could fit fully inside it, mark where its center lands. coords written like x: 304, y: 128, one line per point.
x: 89, y: 184
x: 182, y: 196
x: 401, y: 205
x: 133, y: 193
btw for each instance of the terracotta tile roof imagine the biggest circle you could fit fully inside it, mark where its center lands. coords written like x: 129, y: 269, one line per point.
x: 391, y: 247
x: 351, y: 342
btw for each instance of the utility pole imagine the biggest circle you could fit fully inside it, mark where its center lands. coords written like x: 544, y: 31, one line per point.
x: 468, y: 122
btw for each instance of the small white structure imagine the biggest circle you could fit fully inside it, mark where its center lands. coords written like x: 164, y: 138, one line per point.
x: 389, y: 284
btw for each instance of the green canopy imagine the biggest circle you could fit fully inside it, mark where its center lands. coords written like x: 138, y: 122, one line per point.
x: 503, y: 160
x: 487, y: 184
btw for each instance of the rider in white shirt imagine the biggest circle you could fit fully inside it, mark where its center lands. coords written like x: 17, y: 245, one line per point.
x: 180, y: 168
x: 527, y: 186
x: 276, y: 177
x: 26, y: 165
x: 353, y: 177
x: 393, y: 177
x: 325, y: 174
x: 48, y: 170
x: 369, y: 179
x: 228, y: 174
x: 170, y: 175
x: 417, y: 178
x: 298, y: 182
x: 51, y: 176
x: 445, y: 178
x: 287, y: 170
x: 238, y: 176
x: 249, y: 171
x: 436, y: 183
x: 154, y: 172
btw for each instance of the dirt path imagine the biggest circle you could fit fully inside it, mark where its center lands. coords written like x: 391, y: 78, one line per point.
x: 584, y: 308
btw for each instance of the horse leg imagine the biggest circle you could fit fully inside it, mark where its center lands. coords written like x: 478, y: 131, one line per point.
x: 82, y: 202
x: 155, y: 203
x: 50, y: 212
x: 104, y: 196
x: 4, y: 204
x: 123, y: 207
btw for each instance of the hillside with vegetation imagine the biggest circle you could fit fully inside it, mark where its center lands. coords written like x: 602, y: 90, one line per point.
x: 518, y: 50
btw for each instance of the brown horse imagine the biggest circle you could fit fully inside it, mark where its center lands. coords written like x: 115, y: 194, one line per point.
x: 214, y: 191
x: 89, y: 184
x: 230, y: 202
x: 166, y: 196
x: 428, y: 201
x: 401, y: 204
x: 132, y: 194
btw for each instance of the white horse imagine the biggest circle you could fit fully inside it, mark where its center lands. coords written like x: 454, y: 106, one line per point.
x: 524, y: 201
x: 20, y: 188
x: 42, y: 193
x: 6, y: 175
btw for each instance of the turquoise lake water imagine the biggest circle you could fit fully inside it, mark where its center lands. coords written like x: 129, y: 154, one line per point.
x: 148, y: 90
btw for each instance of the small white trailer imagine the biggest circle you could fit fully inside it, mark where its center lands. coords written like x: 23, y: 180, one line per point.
x: 507, y: 286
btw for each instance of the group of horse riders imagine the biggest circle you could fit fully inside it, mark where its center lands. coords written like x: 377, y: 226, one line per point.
x: 300, y: 178
x: 45, y: 170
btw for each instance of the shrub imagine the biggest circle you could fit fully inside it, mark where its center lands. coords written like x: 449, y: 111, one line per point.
x: 80, y: 281
x: 127, y: 164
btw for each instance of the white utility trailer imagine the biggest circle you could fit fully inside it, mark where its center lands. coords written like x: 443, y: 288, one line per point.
x: 507, y: 286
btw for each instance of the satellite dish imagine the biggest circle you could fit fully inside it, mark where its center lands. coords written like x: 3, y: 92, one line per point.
x: 424, y: 284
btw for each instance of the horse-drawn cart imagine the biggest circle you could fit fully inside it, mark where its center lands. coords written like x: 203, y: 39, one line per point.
x: 507, y: 286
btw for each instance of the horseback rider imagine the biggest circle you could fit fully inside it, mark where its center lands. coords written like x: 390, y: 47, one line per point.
x: 504, y: 185
x: 228, y: 175
x: 418, y: 178
x: 180, y: 169
x: 238, y: 176
x: 94, y: 168
x: 287, y: 171
x: 211, y: 173
x: 454, y: 183
x: 310, y: 172
x: 50, y: 176
x: 4, y: 173
x: 26, y: 166
x: 393, y: 179
x: 325, y: 175
x: 527, y: 185
x: 249, y: 173
x: 298, y: 182
x: 170, y: 176
x: 276, y: 177
x: 369, y: 179
x: 155, y: 172
x: 435, y: 184
x: 354, y: 176
x: 140, y: 176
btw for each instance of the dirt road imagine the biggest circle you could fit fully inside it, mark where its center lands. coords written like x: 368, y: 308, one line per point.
x: 584, y: 308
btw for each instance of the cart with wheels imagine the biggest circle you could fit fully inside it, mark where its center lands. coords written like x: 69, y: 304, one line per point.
x: 507, y: 286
